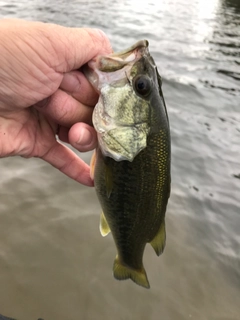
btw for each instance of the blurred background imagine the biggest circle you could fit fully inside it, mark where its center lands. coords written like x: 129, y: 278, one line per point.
x: 54, y: 264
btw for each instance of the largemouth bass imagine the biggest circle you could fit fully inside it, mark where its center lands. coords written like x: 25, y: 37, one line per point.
x: 131, y: 166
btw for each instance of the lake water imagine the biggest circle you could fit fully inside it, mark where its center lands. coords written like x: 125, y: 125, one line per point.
x: 54, y: 264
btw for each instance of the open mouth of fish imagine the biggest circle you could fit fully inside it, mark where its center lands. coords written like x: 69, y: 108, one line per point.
x: 111, y: 69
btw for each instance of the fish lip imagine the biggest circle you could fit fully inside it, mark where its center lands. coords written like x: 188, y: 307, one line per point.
x: 139, y: 47
x: 139, y: 44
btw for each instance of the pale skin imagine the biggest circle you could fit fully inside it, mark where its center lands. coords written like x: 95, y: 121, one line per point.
x: 42, y: 93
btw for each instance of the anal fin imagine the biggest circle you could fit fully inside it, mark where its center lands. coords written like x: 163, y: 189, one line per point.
x: 104, y: 227
x: 159, y: 241
x: 123, y: 272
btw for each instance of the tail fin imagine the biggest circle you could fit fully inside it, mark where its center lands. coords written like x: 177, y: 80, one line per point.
x: 123, y: 272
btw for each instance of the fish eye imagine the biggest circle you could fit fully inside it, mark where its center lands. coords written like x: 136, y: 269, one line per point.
x: 142, y: 85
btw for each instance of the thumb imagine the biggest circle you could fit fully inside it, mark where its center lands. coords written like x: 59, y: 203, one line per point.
x: 76, y: 46
x: 62, y: 48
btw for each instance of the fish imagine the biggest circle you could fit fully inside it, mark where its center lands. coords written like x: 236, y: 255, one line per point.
x: 131, y: 165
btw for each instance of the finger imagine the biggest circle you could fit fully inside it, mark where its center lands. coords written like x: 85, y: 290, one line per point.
x: 69, y: 48
x: 82, y: 137
x: 69, y: 163
x: 64, y: 109
x: 76, y: 46
x: 77, y: 86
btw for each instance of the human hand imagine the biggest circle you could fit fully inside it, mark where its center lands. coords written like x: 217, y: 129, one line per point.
x: 42, y: 93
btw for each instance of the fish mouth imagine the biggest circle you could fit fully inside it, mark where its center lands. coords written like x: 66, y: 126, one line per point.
x: 118, y: 60
x: 115, y: 67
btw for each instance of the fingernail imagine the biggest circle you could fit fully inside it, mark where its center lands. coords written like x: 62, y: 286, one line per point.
x: 85, y: 137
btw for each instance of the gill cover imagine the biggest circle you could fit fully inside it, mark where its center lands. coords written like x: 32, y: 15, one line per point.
x: 121, y: 116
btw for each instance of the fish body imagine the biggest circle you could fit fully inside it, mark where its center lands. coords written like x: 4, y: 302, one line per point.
x: 131, y: 166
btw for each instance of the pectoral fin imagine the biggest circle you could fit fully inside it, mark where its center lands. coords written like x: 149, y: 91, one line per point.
x: 92, y: 164
x: 159, y: 241
x: 104, y: 227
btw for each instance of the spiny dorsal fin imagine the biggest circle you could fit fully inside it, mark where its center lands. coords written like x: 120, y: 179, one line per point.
x: 159, y: 241
x: 123, y: 272
x: 104, y: 227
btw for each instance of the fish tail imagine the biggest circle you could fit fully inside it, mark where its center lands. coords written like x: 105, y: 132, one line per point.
x: 123, y: 272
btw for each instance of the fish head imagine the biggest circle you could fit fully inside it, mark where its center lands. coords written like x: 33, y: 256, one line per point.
x: 127, y: 83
